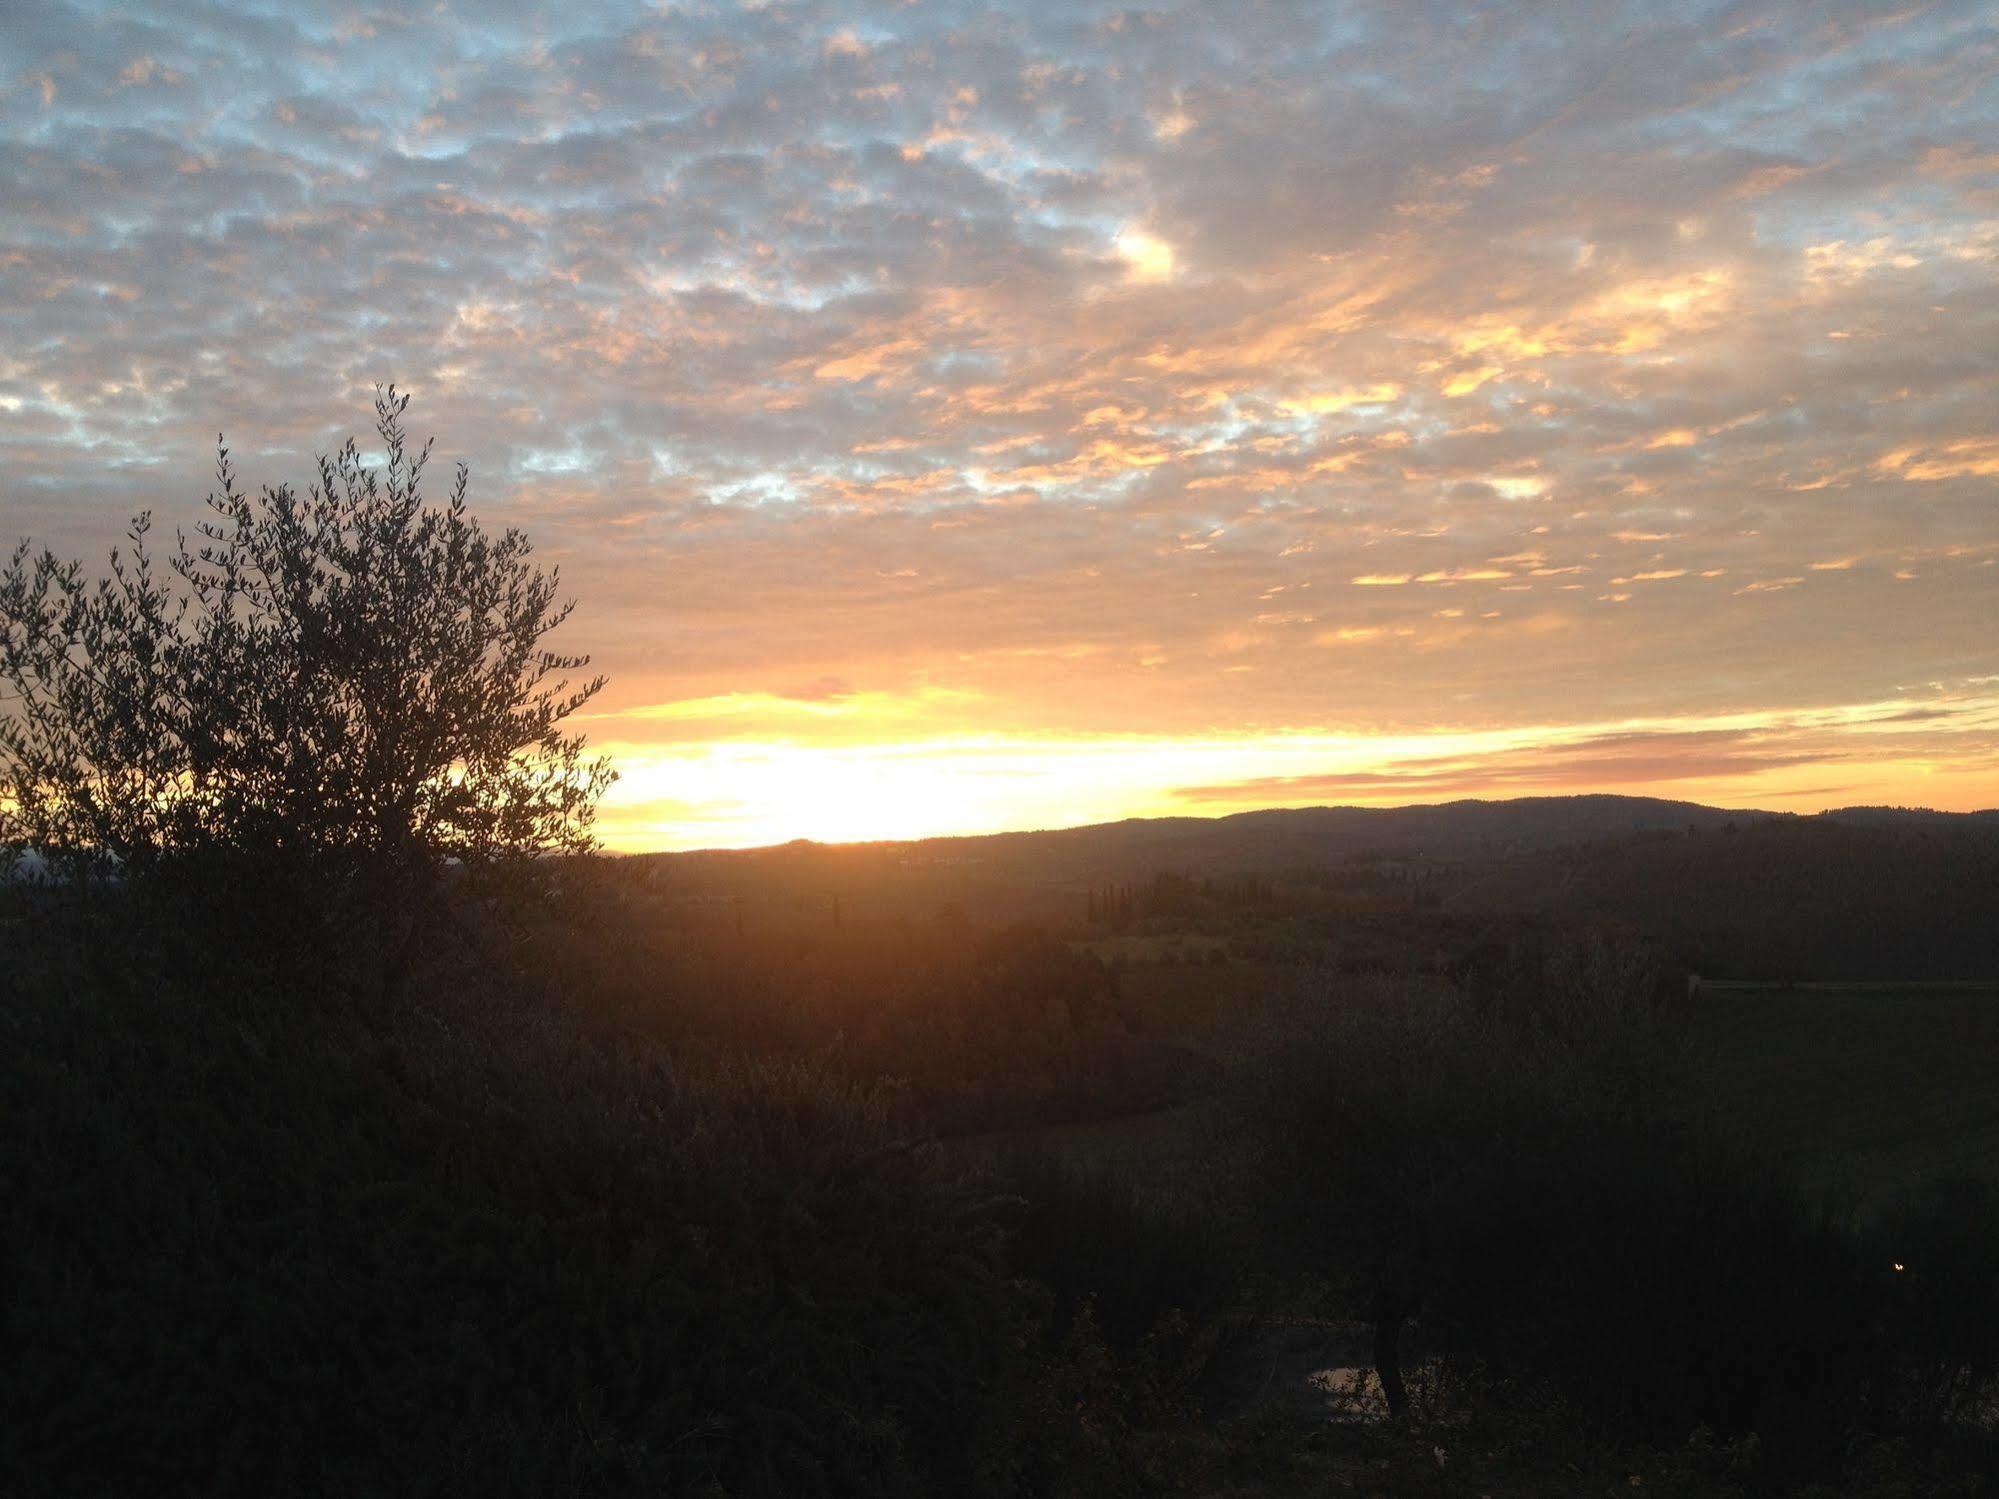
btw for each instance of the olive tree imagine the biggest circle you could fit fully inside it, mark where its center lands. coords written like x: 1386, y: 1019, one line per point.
x: 350, y: 687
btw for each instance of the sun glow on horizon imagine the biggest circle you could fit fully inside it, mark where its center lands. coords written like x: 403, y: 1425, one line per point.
x: 756, y: 791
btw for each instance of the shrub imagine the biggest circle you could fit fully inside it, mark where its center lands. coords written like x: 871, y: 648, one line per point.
x: 1097, y: 1242
x: 1538, y: 1189
x: 259, y: 1248
x: 1938, y: 1240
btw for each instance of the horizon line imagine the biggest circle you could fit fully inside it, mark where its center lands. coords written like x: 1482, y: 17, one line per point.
x: 1217, y: 817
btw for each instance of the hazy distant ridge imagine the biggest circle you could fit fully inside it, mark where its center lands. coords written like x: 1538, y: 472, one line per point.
x: 1281, y: 837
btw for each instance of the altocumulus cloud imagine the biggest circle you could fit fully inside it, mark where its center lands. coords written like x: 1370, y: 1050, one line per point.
x: 1072, y: 370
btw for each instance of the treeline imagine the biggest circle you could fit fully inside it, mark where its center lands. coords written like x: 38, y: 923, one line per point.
x: 983, y: 1027
x: 1176, y: 897
x: 1806, y: 898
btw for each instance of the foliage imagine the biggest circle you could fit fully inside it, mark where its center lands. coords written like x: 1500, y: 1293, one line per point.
x: 1938, y: 1238
x: 1540, y: 1190
x: 501, y: 1247
x: 349, y: 690
x: 987, y: 1030
x: 1098, y: 1243
x: 258, y: 1248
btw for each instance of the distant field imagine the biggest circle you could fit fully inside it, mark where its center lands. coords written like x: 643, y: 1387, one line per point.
x: 1876, y: 1084
x: 1872, y: 1085
x: 1238, y: 1017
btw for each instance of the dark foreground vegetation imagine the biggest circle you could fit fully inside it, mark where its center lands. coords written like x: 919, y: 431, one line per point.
x: 366, y: 1134
x: 261, y: 1247
x: 535, y: 1233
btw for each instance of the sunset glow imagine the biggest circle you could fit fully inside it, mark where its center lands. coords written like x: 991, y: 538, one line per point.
x: 748, y: 791
x: 952, y: 421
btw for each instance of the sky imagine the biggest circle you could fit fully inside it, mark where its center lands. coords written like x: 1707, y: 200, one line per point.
x: 953, y: 419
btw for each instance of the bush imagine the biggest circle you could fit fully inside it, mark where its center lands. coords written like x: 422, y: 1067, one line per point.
x: 1938, y: 1241
x: 1098, y: 1244
x: 256, y: 1248
x: 1537, y: 1188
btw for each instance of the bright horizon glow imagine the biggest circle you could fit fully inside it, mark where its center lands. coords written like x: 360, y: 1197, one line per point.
x: 754, y: 792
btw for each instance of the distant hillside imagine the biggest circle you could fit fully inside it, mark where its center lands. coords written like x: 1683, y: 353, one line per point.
x: 1857, y: 893
x: 1911, y: 817
x: 1305, y: 837
x: 1866, y: 895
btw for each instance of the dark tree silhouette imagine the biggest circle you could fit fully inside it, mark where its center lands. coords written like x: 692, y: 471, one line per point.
x: 351, y: 686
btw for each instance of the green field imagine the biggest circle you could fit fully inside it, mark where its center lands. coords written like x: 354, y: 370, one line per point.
x: 1873, y: 1084
x: 1869, y: 1085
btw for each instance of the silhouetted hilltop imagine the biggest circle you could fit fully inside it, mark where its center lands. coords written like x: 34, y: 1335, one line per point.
x: 1910, y: 816
x: 1307, y: 836
x: 1285, y: 837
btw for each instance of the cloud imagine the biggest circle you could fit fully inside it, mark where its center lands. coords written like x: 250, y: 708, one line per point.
x: 820, y: 690
x: 1741, y: 760
x: 1022, y: 354
x: 923, y: 781
x: 1612, y: 763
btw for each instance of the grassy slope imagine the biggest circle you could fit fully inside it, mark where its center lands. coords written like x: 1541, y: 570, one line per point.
x: 1881, y: 1082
